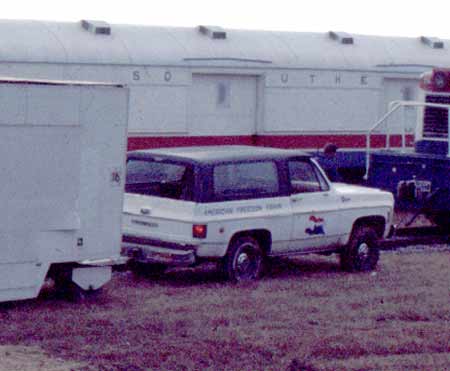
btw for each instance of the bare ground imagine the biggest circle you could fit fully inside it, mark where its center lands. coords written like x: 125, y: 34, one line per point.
x: 304, y: 315
x: 20, y: 358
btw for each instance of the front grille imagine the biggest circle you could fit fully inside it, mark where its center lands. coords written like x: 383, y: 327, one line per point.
x: 435, y: 119
x: 157, y: 243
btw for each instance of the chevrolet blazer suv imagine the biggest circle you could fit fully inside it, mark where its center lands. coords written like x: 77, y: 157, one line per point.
x: 240, y: 205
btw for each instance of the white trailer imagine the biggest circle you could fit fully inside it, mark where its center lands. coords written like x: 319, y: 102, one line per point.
x: 62, y: 158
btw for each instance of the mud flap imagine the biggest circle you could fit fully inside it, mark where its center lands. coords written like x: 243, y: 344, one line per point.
x: 21, y: 280
x: 91, y: 278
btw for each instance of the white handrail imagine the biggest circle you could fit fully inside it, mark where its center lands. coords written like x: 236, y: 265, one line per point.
x: 394, y: 106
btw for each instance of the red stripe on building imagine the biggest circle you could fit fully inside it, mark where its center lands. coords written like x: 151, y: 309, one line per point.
x: 357, y: 141
x: 159, y: 142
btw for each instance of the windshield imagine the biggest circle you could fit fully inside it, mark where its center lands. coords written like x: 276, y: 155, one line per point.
x: 159, y: 178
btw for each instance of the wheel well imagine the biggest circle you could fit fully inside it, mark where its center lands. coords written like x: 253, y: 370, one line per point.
x: 263, y: 236
x: 57, y: 271
x: 377, y: 222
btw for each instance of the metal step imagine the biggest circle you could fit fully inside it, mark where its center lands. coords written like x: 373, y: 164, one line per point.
x: 415, y: 236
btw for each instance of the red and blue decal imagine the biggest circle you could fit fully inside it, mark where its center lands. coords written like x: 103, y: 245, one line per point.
x: 316, y: 226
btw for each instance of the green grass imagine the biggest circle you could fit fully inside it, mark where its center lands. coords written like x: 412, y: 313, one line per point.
x: 305, y: 311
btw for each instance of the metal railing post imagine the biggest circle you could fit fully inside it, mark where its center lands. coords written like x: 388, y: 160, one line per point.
x: 403, y: 128
x: 448, y: 131
x: 388, y: 131
x: 366, y: 175
x: 393, y: 106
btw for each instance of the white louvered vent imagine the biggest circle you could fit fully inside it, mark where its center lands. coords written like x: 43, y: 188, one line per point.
x: 432, y: 42
x: 214, y: 32
x: 341, y: 37
x: 435, y: 119
x: 96, y: 27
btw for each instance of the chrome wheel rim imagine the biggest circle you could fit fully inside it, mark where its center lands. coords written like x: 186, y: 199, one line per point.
x: 363, y: 250
x: 246, y: 263
x: 363, y: 254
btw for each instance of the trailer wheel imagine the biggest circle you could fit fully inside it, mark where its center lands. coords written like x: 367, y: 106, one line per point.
x: 147, y: 270
x: 243, y: 261
x: 362, y: 252
x: 66, y: 289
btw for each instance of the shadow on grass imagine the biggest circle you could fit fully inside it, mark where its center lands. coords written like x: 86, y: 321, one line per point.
x: 184, y: 277
x: 49, y: 299
x: 209, y: 274
x: 307, y: 266
x: 203, y: 275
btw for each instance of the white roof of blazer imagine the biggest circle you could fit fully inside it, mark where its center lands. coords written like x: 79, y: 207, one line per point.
x: 220, y: 153
x: 96, y: 42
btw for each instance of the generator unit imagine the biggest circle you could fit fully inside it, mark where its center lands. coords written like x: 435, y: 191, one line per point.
x: 419, y: 178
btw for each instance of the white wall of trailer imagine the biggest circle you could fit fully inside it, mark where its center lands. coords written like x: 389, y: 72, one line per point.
x: 186, y: 83
x: 60, y: 144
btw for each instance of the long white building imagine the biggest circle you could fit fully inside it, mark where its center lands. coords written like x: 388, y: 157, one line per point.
x: 210, y: 85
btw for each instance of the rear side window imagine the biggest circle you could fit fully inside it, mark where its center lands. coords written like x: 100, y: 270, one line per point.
x: 159, y: 178
x: 245, y: 180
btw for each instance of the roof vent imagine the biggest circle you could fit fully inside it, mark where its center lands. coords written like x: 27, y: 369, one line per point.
x: 432, y: 42
x: 341, y: 37
x: 96, y: 27
x: 214, y: 32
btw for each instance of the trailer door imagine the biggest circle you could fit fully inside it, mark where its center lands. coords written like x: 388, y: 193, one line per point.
x: 39, y: 167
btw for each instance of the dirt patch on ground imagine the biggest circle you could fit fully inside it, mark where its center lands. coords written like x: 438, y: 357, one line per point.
x: 305, y: 314
x: 19, y: 358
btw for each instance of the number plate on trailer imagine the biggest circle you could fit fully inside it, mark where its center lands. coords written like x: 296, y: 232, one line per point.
x: 423, y: 186
x: 423, y: 189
